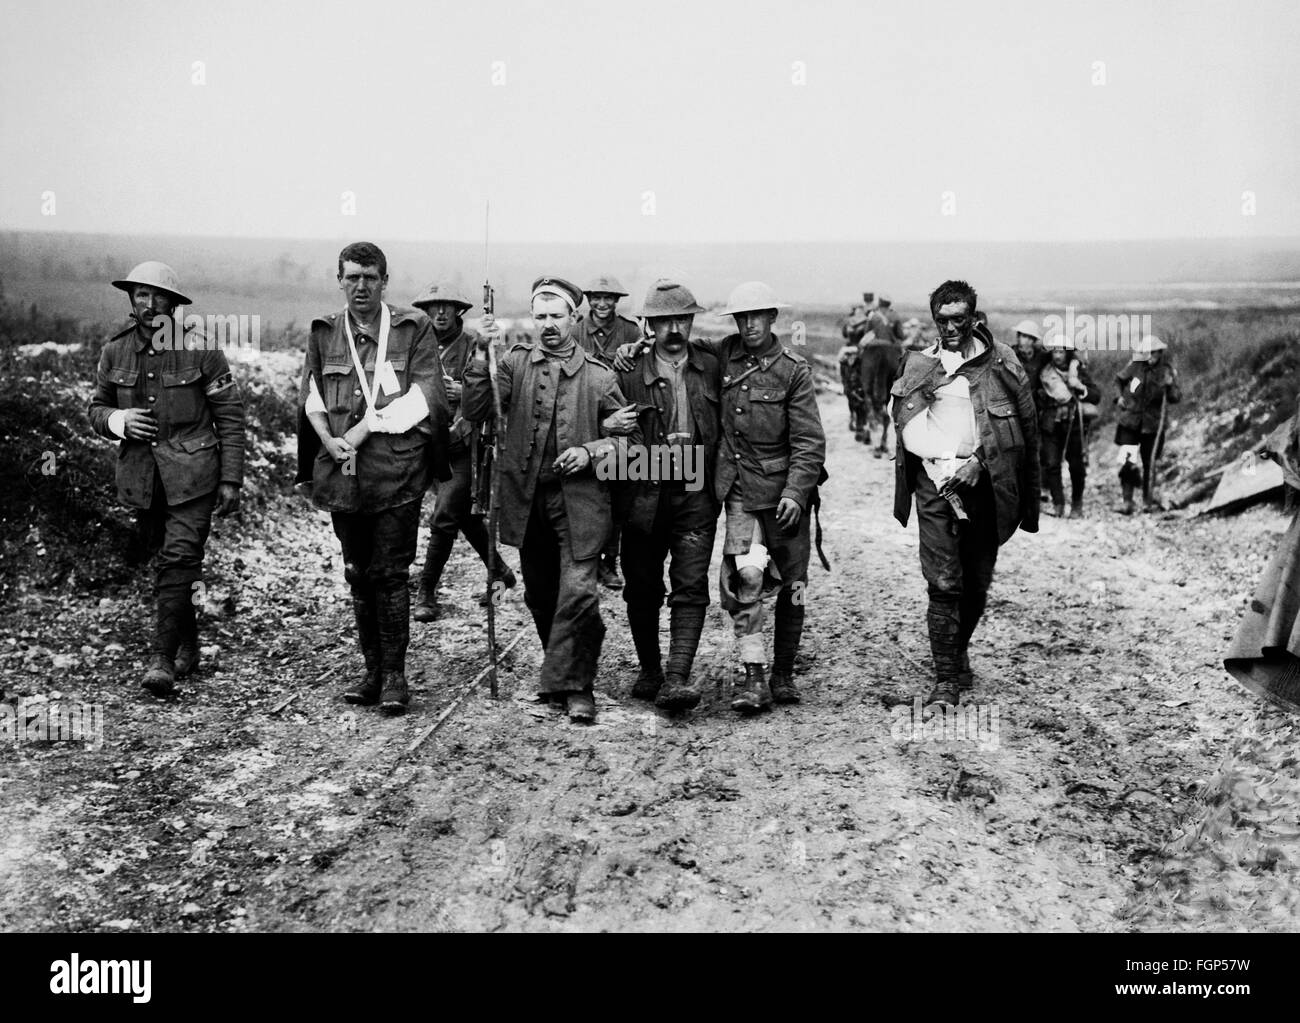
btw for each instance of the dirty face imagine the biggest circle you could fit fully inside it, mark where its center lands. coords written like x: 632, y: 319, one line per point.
x: 442, y: 315
x: 363, y: 287
x: 955, y: 324
x: 602, y: 304
x: 755, y: 328
x: 1024, y: 344
x: 148, y: 304
x: 671, y: 332
x: 553, y: 319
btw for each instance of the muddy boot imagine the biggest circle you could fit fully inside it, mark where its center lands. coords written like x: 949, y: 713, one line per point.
x: 1127, y: 507
x: 160, y: 676
x: 1058, y: 509
x: 643, y: 620
x: 581, y: 707
x: 787, y: 630
x: 394, y: 608
x: 754, y: 694
x: 435, y: 560
x: 366, y: 690
x: 1076, y: 509
x: 609, y: 572
x: 681, y: 692
x: 187, y: 653
x: 965, y: 677
x: 506, y: 580
x: 942, y: 619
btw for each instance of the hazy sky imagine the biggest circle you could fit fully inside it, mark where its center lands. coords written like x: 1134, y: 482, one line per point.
x: 567, y: 113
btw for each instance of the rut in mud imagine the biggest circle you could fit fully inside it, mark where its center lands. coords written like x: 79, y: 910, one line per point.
x: 1102, y: 708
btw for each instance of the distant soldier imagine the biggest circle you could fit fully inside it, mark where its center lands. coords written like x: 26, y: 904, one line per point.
x: 1064, y: 384
x: 675, y: 388
x: 1029, y: 349
x: 968, y: 450
x: 601, y: 332
x: 772, y: 459
x: 852, y: 329
x: 1147, y: 385
x: 914, y: 339
x: 879, y: 361
x: 556, y: 398
x: 445, y: 305
x: 372, y: 391
x: 169, y: 398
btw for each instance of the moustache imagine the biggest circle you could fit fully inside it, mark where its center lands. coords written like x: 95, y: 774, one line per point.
x: 675, y: 337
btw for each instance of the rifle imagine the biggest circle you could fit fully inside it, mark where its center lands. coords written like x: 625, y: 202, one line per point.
x: 485, y: 471
x: 1150, y: 482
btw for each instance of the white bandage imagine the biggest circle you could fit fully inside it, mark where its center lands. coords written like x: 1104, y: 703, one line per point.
x: 407, y: 411
x: 117, y: 423
x: 314, y: 402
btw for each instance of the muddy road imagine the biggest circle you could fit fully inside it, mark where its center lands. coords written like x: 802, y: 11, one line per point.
x: 1102, y: 709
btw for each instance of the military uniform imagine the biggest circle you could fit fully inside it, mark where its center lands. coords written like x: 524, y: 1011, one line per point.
x: 1061, y: 430
x: 172, y: 480
x: 559, y: 523
x: 374, y: 497
x: 773, y: 447
x: 991, y: 393
x: 1144, y: 391
x: 878, y: 362
x: 602, y: 341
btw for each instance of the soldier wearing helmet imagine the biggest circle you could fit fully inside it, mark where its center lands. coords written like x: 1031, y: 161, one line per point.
x: 558, y: 401
x: 601, y: 333
x: 1029, y: 348
x: 878, y: 363
x: 445, y: 305
x: 675, y: 389
x: 176, y: 410
x: 1063, y: 386
x: 1146, y: 386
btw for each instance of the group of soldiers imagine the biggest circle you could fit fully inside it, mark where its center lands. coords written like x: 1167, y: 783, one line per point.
x: 396, y: 399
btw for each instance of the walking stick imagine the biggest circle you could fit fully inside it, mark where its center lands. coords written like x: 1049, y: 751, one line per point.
x: 498, y: 432
x: 1150, y: 481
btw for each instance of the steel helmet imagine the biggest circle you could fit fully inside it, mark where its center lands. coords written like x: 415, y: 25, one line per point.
x: 668, y: 298
x: 606, y: 284
x: 752, y: 297
x: 1143, y: 349
x: 443, y: 290
x: 1058, y: 340
x: 1029, y: 328
x: 154, y: 275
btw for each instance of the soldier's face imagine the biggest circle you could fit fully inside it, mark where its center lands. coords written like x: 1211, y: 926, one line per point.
x: 554, y: 320
x: 443, y: 315
x: 1024, y: 344
x: 363, y: 288
x: 756, y: 327
x: 671, y: 332
x: 955, y: 324
x: 1060, y: 358
x: 149, y: 303
x: 602, y: 304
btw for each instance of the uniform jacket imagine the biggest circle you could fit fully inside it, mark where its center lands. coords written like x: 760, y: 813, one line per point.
x: 390, y: 469
x: 603, y: 343
x: 200, y: 414
x: 455, y: 356
x: 1140, y: 409
x: 887, y: 325
x: 1049, y: 412
x: 639, y: 500
x: 772, y: 438
x: 579, y: 393
x: 1006, y: 422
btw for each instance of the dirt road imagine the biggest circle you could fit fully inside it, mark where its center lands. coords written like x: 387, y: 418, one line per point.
x: 1102, y: 708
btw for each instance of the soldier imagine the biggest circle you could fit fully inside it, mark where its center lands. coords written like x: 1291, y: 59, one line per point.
x: 879, y: 360
x: 968, y: 444
x: 1029, y: 349
x: 445, y: 305
x: 173, y: 404
x: 772, y: 460
x: 601, y: 332
x: 1063, y: 384
x: 914, y: 336
x: 852, y: 330
x: 1146, y: 386
x: 675, y: 388
x: 556, y: 398
x: 372, y: 391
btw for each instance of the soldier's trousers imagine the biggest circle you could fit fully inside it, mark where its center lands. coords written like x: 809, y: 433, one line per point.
x: 787, y: 576
x: 1057, y: 448
x: 451, y: 515
x: 378, y: 548
x: 175, y: 536
x: 957, y: 561
x: 561, y: 591
x: 684, y: 527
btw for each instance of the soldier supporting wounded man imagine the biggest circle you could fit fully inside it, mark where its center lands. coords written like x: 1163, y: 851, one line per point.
x: 170, y: 400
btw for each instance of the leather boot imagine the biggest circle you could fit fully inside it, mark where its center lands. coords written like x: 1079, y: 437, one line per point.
x: 965, y: 677
x: 754, y: 694
x: 945, y: 649
x: 366, y: 690
x: 394, y: 607
x: 187, y: 654
x: 503, y: 576
x: 1058, y: 508
x: 1076, y: 509
x: 609, y: 574
x: 435, y: 560
x: 643, y: 620
x: 160, y: 676
x: 787, y: 630
x: 1127, y: 508
x: 681, y: 692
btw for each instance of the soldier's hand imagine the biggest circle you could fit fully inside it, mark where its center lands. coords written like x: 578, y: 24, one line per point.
x: 967, y: 475
x: 489, y: 331
x: 339, y: 449
x: 356, y: 436
x: 788, y: 513
x: 625, y: 356
x: 572, y: 460
x: 140, y: 424
x: 622, y: 422
x: 453, y: 388
x: 227, y: 499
